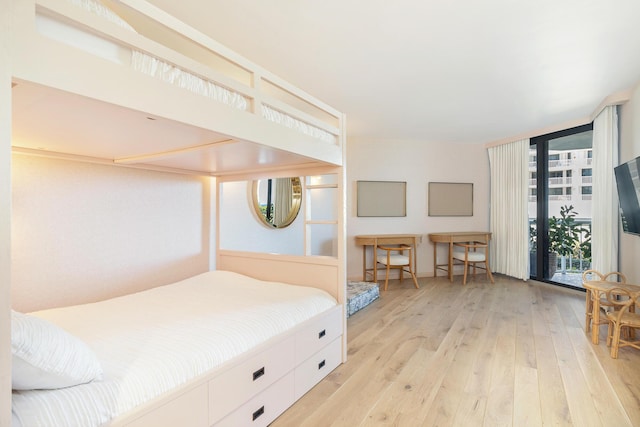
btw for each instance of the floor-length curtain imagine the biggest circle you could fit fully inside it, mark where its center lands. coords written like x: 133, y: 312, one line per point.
x: 509, y: 223
x: 604, y: 202
x: 283, y: 199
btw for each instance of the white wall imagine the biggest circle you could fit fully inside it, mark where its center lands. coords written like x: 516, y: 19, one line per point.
x: 417, y: 163
x: 5, y: 215
x: 630, y: 149
x: 241, y: 230
x: 83, y: 232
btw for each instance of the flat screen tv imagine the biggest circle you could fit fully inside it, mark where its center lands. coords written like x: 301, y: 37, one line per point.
x: 628, y: 182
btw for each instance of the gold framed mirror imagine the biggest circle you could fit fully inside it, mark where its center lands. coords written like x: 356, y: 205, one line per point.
x: 276, y: 201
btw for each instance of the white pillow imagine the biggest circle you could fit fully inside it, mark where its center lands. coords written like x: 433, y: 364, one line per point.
x: 45, y: 356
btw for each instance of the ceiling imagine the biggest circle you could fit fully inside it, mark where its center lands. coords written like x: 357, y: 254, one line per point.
x: 457, y: 71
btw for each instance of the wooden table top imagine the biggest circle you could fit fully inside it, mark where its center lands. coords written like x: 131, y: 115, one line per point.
x: 454, y: 236
x: 369, y: 239
x: 603, y: 286
x: 368, y: 236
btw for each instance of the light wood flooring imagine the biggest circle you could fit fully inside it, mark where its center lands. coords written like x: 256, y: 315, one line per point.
x: 512, y: 353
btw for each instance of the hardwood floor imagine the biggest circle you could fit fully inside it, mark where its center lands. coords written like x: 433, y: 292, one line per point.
x: 510, y: 354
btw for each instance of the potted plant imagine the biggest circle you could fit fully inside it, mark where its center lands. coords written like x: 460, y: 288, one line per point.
x: 564, y: 239
x: 565, y: 234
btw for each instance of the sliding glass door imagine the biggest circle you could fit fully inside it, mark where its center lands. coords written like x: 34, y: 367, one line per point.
x: 560, y: 205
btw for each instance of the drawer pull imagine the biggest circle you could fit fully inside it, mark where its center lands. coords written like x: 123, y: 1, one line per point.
x: 322, y: 333
x: 259, y: 412
x: 321, y: 364
x: 257, y: 374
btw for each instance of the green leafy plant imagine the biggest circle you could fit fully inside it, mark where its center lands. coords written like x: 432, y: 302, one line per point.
x: 533, y: 236
x: 566, y: 237
x: 565, y: 233
x: 585, y: 245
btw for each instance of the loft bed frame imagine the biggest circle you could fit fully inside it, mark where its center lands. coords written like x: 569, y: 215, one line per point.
x: 246, y: 124
x: 266, y: 130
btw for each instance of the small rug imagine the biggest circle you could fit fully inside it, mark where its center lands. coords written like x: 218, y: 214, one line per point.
x: 360, y: 295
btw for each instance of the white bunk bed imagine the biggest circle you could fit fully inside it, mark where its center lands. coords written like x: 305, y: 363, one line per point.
x: 141, y: 89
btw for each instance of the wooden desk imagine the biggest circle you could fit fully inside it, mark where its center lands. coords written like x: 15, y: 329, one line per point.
x: 451, y: 238
x: 597, y: 289
x: 386, y: 239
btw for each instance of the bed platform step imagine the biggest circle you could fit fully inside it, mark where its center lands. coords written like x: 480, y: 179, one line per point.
x: 360, y: 295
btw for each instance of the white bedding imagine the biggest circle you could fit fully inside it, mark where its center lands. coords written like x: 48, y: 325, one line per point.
x: 153, y: 341
x: 176, y: 76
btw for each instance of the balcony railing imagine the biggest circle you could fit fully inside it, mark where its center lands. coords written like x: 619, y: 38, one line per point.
x: 553, y: 181
x: 560, y: 197
x: 560, y: 180
x: 559, y: 163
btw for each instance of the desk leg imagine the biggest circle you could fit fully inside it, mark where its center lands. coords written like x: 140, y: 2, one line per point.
x: 415, y: 257
x: 364, y: 263
x: 450, y: 262
x: 435, y: 259
x: 375, y: 261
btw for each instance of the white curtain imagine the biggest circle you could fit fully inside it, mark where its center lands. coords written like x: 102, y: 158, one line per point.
x: 604, y: 202
x: 283, y: 198
x: 509, y: 221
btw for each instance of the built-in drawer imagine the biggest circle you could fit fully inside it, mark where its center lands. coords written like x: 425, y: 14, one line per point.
x: 240, y: 383
x: 318, y: 366
x: 189, y: 409
x: 318, y: 333
x: 263, y: 408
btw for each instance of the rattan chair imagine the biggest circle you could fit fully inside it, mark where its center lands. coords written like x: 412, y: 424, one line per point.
x: 594, y: 275
x: 393, y: 257
x: 473, y: 254
x: 622, y: 318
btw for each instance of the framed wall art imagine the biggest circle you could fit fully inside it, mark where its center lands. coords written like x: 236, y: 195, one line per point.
x: 382, y: 198
x: 450, y: 199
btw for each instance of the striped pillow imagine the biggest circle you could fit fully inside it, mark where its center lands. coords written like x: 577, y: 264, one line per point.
x: 45, y: 356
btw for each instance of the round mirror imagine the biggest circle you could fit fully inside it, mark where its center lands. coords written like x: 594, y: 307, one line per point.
x: 277, y: 200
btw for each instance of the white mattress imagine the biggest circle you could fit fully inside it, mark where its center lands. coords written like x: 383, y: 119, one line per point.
x: 153, y: 341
